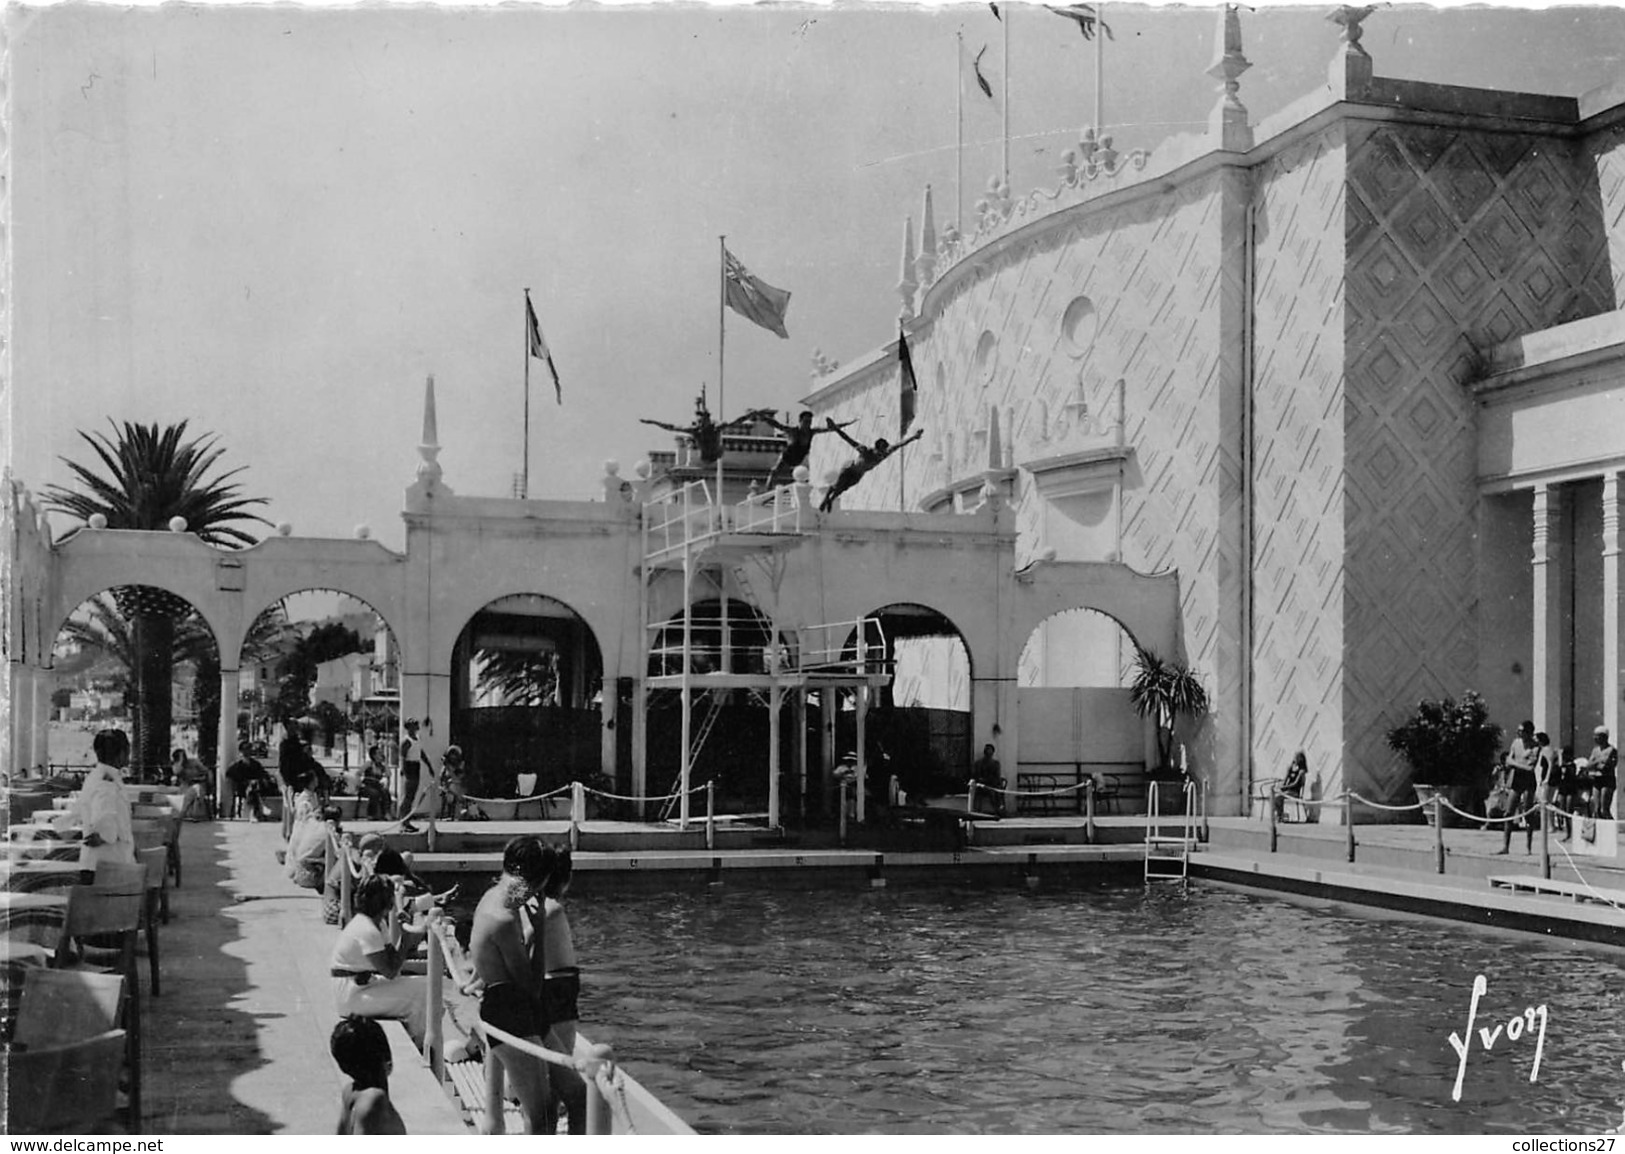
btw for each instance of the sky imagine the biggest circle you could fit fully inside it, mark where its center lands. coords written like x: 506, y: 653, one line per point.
x: 276, y: 222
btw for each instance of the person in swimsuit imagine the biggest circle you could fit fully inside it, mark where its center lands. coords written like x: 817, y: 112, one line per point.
x: 1521, y: 759
x: 704, y: 432
x: 858, y: 468
x: 362, y: 1052
x: 559, y: 982
x: 500, y: 948
x: 798, y: 439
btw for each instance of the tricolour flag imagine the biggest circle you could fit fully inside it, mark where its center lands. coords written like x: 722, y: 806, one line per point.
x: 539, y: 349
x: 1085, y: 17
x: 753, y: 298
x: 907, y: 386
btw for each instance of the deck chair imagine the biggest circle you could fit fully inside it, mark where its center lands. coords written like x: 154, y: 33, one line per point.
x: 114, y: 908
x: 66, y: 1088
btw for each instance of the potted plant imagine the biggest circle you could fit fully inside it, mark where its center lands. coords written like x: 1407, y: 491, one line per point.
x: 1450, y: 746
x: 1165, y: 691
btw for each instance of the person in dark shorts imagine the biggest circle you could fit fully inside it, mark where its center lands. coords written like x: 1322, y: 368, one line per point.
x: 500, y: 946
x: 1521, y: 759
x: 553, y: 962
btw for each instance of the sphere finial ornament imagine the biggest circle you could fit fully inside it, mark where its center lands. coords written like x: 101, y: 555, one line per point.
x: 642, y: 469
x: 612, y: 468
x: 285, y: 529
x: 801, y: 473
x: 177, y: 524
x: 363, y: 532
x: 98, y: 520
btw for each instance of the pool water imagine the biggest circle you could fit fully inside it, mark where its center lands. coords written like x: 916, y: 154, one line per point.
x: 1106, y: 1009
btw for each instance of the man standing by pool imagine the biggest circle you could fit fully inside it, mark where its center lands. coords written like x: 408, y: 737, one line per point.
x: 499, y: 947
x: 1603, y: 767
x: 410, y: 767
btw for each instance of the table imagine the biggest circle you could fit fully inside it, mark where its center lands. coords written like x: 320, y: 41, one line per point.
x: 41, y: 849
x: 35, y: 875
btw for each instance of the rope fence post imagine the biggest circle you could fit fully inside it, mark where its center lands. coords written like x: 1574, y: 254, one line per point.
x: 1275, y: 832
x: 1545, y: 838
x: 843, y: 811
x: 1348, y: 820
x: 578, y: 809
x: 1089, y: 832
x: 970, y: 798
x: 710, y: 822
x: 1438, y: 832
x: 433, y: 1043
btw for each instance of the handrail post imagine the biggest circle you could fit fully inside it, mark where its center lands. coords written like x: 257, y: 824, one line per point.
x: 711, y: 814
x: 1545, y: 839
x: 495, y: 1102
x: 1089, y: 832
x: 433, y: 1042
x: 1348, y: 819
x: 970, y: 798
x: 1275, y: 832
x: 1206, y: 835
x: 346, y: 884
x: 1438, y: 831
x: 600, y: 1119
x: 578, y: 810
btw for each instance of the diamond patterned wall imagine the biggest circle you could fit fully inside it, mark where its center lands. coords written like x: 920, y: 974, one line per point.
x: 1456, y: 241
x: 1298, y: 398
x: 1606, y: 154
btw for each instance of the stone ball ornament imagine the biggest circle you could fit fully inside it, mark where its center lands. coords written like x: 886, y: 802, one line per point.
x: 801, y: 473
x: 177, y: 524
x: 612, y: 468
x: 98, y: 521
x: 363, y: 532
x: 285, y: 529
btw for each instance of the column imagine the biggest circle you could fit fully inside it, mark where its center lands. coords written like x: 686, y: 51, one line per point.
x: 43, y: 684
x: 22, y: 712
x: 1611, y: 616
x: 1547, y: 675
x: 230, y: 690
x: 863, y: 752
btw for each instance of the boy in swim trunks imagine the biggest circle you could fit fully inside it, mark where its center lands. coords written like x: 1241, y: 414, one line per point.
x: 499, y: 947
x: 362, y: 1052
x: 559, y: 981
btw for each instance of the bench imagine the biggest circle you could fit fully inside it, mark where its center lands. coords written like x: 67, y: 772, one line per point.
x: 423, y: 1104
x: 1555, y: 887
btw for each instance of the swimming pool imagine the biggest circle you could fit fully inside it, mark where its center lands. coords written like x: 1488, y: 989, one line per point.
x: 1115, y: 1009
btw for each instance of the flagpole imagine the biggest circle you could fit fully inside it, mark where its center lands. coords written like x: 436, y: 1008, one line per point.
x: 722, y: 324
x: 524, y: 475
x: 1100, y: 69
x: 1004, y: 86
x: 959, y: 144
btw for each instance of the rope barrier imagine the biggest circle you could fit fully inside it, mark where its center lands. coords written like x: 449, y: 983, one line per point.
x: 646, y: 797
x: 1585, y: 881
x: 1031, y: 792
x: 532, y: 797
x: 1379, y: 805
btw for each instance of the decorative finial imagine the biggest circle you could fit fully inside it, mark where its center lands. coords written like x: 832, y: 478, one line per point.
x: 177, y: 524
x: 905, y: 281
x: 1351, y: 69
x: 925, y: 265
x: 429, y: 470
x: 1228, y: 120
x: 98, y: 520
x: 994, y: 444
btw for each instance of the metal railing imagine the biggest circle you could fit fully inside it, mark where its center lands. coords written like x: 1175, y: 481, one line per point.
x: 775, y: 511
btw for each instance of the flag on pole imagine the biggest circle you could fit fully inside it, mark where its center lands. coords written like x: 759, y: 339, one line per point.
x: 1085, y: 17
x: 907, y: 386
x: 981, y: 81
x: 539, y: 349
x: 753, y: 298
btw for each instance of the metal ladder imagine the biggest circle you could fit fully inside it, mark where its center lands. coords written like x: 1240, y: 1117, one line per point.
x: 1169, y: 858
x: 707, y: 723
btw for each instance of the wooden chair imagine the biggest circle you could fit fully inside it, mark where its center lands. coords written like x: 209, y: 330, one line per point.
x: 148, y: 837
x: 169, y: 820
x: 65, y: 1088
x: 149, y: 869
x: 60, y: 1006
x: 114, y: 909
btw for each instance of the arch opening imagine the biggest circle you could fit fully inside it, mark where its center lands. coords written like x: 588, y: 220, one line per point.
x: 526, y: 697
x: 138, y: 658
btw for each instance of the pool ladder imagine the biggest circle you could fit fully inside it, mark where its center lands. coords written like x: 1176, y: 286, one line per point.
x: 1169, y: 858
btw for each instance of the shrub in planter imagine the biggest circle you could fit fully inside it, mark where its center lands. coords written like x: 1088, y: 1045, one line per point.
x: 1450, y: 746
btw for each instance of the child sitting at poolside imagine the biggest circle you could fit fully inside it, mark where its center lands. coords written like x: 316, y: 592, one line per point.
x: 362, y: 1052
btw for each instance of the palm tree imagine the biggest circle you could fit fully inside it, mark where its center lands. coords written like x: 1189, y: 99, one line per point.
x: 154, y: 475
x: 1165, y: 691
